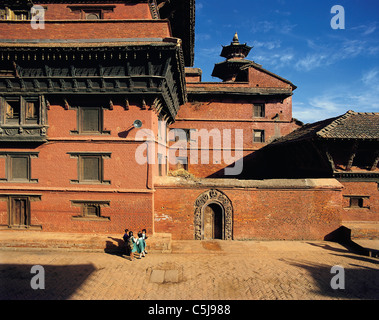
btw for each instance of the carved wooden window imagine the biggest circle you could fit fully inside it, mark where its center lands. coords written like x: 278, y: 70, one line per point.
x: 90, y: 210
x: 90, y: 167
x: 92, y: 12
x: 21, y: 110
x: 90, y: 120
x: 258, y: 136
x: 12, y: 110
x: 31, y: 111
x: 18, y: 166
x: 9, y: 14
x: 259, y: 110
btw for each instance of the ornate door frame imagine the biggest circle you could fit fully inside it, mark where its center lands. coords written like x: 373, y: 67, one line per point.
x: 202, y: 201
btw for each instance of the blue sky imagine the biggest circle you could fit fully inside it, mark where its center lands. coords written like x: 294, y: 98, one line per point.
x: 334, y: 70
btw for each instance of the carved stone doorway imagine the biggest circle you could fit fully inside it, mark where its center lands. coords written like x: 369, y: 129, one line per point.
x: 213, y: 216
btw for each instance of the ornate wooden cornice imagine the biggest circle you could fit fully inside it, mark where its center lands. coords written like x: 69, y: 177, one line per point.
x: 155, y: 70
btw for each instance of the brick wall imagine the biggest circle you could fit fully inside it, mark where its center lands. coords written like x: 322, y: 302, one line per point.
x: 271, y: 213
x: 231, y: 114
x: 86, y: 29
x: 258, y: 78
x: 59, y: 11
x: 370, y: 210
x: 129, y: 189
x: 55, y: 212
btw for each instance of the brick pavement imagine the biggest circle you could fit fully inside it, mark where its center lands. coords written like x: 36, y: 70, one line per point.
x: 206, y: 270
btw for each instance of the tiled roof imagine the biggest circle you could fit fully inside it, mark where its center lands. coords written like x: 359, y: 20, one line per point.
x: 352, y: 125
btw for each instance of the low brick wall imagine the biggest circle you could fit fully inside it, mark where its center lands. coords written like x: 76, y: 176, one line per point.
x: 270, y: 210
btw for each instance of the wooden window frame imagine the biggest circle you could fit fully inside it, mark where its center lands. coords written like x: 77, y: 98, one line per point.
x: 262, y: 139
x: 102, y: 9
x: 80, y: 169
x: 85, y: 204
x: 80, y: 119
x: 262, y: 113
x: 9, y: 166
x: 183, y: 164
x: 23, y: 119
x: 361, y: 200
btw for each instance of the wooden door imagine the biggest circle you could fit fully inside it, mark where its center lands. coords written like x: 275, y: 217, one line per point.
x: 213, y: 222
x: 19, y: 212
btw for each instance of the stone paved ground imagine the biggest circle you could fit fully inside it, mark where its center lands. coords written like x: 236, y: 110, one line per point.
x: 213, y: 270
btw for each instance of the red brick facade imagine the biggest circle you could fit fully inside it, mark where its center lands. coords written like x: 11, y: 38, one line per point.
x: 129, y: 66
x: 277, y: 211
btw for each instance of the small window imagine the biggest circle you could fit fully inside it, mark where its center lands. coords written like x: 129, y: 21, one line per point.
x: 259, y: 110
x: 182, y: 163
x: 90, y: 120
x: 92, y: 14
x: 12, y: 110
x: 21, y: 110
x: 19, y: 168
x: 31, y: 111
x: 356, y: 202
x: 259, y: 136
x: 90, y: 210
x: 181, y: 135
x: 90, y: 168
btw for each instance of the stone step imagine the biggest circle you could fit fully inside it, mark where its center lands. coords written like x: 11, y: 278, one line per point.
x: 368, y: 230
x: 76, y: 241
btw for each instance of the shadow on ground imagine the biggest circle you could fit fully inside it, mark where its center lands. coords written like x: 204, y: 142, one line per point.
x: 60, y: 281
x: 360, y: 282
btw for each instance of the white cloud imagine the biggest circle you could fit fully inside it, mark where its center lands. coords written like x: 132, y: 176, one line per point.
x: 370, y: 78
x: 361, y: 96
x: 366, y: 29
x: 328, y: 55
x: 270, y: 45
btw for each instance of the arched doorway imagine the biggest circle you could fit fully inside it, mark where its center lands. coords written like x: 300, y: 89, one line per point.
x: 213, y: 221
x: 213, y: 217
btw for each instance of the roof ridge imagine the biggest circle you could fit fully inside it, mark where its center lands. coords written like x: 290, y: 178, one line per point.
x: 338, y: 121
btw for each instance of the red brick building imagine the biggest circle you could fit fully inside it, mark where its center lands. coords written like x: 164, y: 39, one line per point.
x: 70, y: 94
x: 247, y: 110
x: 87, y: 99
x: 344, y: 148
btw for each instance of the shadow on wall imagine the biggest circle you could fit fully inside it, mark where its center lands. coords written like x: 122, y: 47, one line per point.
x: 342, y: 235
x: 60, y: 281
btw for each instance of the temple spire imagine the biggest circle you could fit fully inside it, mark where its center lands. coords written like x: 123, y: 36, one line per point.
x: 235, y: 55
x: 235, y: 39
